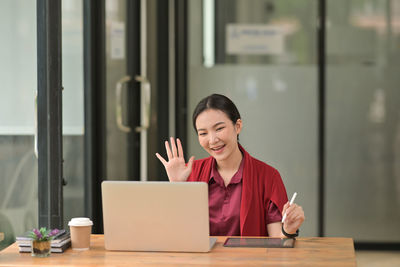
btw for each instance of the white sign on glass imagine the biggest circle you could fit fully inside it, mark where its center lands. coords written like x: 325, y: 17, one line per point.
x: 256, y: 39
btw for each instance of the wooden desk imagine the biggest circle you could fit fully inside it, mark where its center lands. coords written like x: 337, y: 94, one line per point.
x: 307, y: 252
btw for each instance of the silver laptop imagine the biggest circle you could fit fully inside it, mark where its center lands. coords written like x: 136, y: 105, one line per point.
x: 156, y: 216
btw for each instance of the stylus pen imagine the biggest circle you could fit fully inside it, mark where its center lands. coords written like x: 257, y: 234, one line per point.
x: 291, y: 202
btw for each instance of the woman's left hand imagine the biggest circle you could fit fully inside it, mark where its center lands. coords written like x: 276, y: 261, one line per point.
x: 294, y: 217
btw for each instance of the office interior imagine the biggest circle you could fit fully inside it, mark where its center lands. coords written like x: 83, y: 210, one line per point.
x: 321, y: 104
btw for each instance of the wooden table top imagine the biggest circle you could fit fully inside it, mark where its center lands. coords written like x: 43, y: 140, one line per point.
x: 308, y: 251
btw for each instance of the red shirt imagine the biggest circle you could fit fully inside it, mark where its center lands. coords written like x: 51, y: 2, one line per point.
x: 224, y: 204
x: 261, y: 184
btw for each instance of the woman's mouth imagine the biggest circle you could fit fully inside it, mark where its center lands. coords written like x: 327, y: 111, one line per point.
x: 218, y: 149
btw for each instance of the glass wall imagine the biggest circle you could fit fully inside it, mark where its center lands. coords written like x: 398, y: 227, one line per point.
x: 363, y: 120
x: 274, y: 86
x: 18, y: 76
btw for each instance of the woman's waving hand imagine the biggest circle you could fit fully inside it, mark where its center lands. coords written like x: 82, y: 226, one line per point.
x: 176, y: 167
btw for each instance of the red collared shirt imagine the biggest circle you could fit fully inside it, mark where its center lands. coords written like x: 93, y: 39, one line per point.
x: 224, y: 204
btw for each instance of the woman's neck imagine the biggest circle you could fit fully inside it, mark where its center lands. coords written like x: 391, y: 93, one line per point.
x: 232, y: 163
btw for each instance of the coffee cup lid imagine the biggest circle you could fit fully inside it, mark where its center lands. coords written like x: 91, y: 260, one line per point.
x: 80, y: 221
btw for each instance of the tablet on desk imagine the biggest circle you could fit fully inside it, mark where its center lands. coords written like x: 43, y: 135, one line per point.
x: 259, y: 242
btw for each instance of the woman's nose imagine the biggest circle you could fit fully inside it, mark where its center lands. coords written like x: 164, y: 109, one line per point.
x: 214, y: 138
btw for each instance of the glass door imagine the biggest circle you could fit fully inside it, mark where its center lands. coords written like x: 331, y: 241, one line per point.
x: 122, y: 112
x: 18, y: 76
x: 128, y: 89
x: 363, y: 120
x: 263, y: 55
x: 122, y: 90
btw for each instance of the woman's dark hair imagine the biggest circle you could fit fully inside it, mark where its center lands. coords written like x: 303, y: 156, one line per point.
x: 217, y: 102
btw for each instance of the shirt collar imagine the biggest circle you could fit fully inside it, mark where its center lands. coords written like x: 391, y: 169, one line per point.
x: 237, y: 177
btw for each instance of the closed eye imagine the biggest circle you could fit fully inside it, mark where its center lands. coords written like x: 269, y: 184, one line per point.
x: 220, y: 128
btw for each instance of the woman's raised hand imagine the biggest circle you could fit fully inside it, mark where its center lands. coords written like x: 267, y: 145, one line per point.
x: 177, y: 169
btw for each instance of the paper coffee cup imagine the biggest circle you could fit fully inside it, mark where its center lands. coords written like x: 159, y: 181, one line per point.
x: 80, y: 229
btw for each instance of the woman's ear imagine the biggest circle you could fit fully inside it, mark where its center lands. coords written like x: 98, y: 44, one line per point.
x: 238, y: 126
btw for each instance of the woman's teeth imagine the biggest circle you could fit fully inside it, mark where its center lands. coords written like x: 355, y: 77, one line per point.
x: 217, y: 148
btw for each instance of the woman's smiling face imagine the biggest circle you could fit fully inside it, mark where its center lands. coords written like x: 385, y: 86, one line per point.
x: 217, y: 133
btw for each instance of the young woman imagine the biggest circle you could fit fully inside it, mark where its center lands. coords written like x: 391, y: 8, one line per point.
x: 246, y: 196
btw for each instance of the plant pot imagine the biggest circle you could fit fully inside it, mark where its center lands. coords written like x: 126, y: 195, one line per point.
x: 41, y: 248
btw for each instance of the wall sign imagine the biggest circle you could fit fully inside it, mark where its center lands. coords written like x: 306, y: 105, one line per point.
x: 257, y: 39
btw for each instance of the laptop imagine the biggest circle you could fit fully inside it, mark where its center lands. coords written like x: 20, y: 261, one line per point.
x: 156, y: 216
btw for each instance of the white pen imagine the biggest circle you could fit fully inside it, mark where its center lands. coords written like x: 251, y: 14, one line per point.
x: 291, y: 202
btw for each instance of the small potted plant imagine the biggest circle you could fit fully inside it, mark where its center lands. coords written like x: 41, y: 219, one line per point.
x: 41, y: 241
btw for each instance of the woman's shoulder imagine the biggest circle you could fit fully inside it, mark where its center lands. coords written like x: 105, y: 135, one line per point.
x: 260, y: 166
x: 202, y: 163
x: 201, y: 169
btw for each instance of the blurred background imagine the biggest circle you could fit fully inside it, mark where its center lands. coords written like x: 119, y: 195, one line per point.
x: 319, y: 104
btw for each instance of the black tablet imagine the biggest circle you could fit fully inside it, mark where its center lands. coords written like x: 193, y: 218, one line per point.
x: 259, y: 242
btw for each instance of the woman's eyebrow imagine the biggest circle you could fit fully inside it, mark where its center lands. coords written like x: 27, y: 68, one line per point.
x: 218, y: 123
x: 214, y: 126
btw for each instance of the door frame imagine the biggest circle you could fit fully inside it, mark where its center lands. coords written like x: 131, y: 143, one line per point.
x: 94, y: 109
x: 49, y: 114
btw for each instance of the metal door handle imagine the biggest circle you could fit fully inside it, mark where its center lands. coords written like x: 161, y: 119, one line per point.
x: 145, y: 106
x: 118, y: 90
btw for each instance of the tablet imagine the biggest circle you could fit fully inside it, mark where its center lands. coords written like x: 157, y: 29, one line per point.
x: 259, y: 242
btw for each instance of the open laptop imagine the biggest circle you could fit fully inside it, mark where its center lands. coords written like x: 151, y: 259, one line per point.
x: 156, y: 216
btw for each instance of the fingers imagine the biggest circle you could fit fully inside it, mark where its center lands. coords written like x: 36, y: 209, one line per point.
x: 285, y: 207
x: 294, y: 213
x: 190, y: 163
x: 173, y: 146
x: 298, y: 218
x: 175, y: 150
x: 180, y: 149
x: 290, y: 209
x: 163, y: 161
x: 168, y: 149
